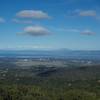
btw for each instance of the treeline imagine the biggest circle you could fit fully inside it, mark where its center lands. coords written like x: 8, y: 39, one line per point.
x: 29, y: 92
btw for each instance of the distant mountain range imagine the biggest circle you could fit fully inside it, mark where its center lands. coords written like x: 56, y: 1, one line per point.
x: 61, y: 53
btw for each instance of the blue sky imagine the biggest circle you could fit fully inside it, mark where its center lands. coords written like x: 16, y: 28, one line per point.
x: 50, y: 24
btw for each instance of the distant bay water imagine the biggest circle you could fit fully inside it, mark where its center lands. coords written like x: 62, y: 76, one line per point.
x: 78, y: 54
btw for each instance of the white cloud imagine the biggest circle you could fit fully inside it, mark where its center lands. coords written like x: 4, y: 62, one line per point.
x: 37, y: 14
x: 84, y: 13
x: 2, y: 20
x: 91, y: 13
x: 88, y: 32
x: 73, y: 30
x: 22, y: 21
x: 36, y: 31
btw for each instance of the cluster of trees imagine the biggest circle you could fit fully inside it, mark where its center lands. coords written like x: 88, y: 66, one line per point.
x: 28, y: 92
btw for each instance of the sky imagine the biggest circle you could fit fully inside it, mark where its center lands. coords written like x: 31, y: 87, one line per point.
x: 50, y: 24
